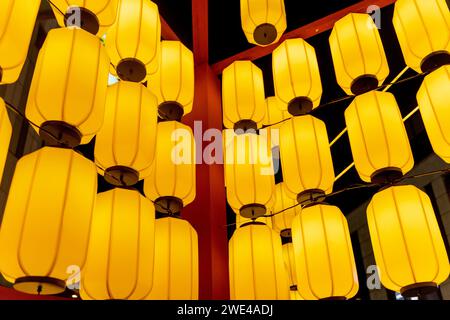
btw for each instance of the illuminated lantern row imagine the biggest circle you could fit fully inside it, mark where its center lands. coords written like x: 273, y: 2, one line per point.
x: 296, y: 76
x: 5, y: 135
x: 17, y: 19
x: 429, y: 21
x: 378, y: 137
x: 47, y: 219
x: 407, y: 243
x: 263, y: 22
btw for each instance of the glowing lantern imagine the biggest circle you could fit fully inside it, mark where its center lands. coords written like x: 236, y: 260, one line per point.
x: 429, y: 21
x: 408, y: 246
x: 358, y: 55
x: 274, y: 112
x: 5, y: 135
x: 433, y: 97
x: 175, y: 275
x: 125, y: 145
x: 289, y: 263
x: 47, y: 219
x: 68, y: 91
x: 171, y: 183
x: 243, y: 97
x: 306, y: 158
x: 94, y: 16
x: 288, y: 207
x: 256, y: 264
x: 263, y: 22
x: 296, y: 76
x: 120, y: 258
x: 325, y: 266
x: 17, y: 19
x: 133, y: 42
x: 173, y: 84
x: 378, y: 138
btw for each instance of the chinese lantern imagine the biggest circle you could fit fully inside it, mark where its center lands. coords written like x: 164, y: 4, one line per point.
x: 173, y: 84
x: 243, y: 97
x: 248, y: 173
x: 358, y: 55
x: 378, y: 138
x: 68, y: 91
x: 17, y: 22
x: 125, y: 145
x: 5, y: 135
x: 256, y: 264
x: 407, y: 244
x: 287, y: 208
x: 121, y: 251
x: 289, y: 263
x: 175, y: 275
x: 433, y: 97
x: 47, y: 219
x: 274, y: 113
x: 429, y: 21
x: 325, y: 266
x: 94, y: 16
x: 263, y: 22
x: 171, y: 183
x: 296, y: 76
x: 133, y: 42
x: 306, y: 159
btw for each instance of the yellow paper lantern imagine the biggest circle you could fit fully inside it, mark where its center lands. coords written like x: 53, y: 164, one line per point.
x: 287, y: 208
x: 171, y: 183
x: 121, y: 250
x: 248, y: 173
x: 406, y: 240
x: 423, y: 30
x: 175, y: 275
x: 306, y: 158
x: 125, y: 145
x: 325, y: 266
x: 433, y: 97
x: 274, y: 112
x: 133, y: 42
x: 17, y: 19
x: 296, y: 76
x: 378, y: 137
x: 289, y: 263
x: 358, y: 55
x: 243, y: 97
x: 5, y: 136
x: 263, y: 22
x: 68, y: 91
x: 95, y: 16
x: 45, y: 228
x: 173, y: 84
x: 256, y: 264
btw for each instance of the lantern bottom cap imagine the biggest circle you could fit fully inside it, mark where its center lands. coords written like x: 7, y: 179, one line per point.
x: 300, y: 106
x: 39, y: 285
x: 168, y: 205
x: 121, y: 176
x: 170, y: 110
x: 419, y: 289
x: 435, y: 60
x: 253, y: 211
x: 245, y: 125
x: 386, y: 175
x: 88, y: 20
x: 60, y: 134
x: 132, y: 70
x: 334, y: 298
x: 286, y: 233
x: 363, y: 84
x: 265, y: 34
x: 311, y: 196
x: 293, y: 287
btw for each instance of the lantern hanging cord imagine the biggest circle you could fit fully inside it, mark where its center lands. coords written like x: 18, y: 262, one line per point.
x: 56, y: 7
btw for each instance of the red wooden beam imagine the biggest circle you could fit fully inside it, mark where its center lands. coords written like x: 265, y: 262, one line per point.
x: 200, y: 31
x: 304, y: 32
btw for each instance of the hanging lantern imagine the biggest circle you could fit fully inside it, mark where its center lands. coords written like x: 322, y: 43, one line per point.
x: 243, y: 97
x: 121, y: 251
x: 125, y: 145
x: 5, y: 135
x: 16, y: 27
x: 47, y: 218
x: 306, y: 159
x: 274, y: 113
x: 289, y: 263
x: 288, y: 208
x: 378, y: 138
x: 171, y: 183
x: 94, y: 16
x: 429, y: 21
x: 240, y: 220
x: 173, y: 84
x: 433, y: 97
x: 325, y: 266
x: 133, y: 42
x: 175, y: 275
x: 67, y: 94
x: 249, y: 173
x: 256, y: 264
x: 263, y: 22
x: 358, y: 55
x: 296, y: 76
x: 407, y: 244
